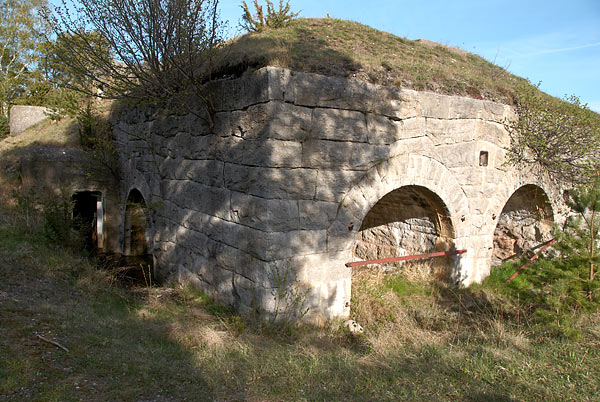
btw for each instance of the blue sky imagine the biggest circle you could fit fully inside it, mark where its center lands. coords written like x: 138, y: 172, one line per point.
x: 555, y: 42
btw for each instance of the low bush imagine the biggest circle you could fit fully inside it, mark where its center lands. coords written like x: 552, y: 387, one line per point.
x: 272, y: 20
x: 4, y: 127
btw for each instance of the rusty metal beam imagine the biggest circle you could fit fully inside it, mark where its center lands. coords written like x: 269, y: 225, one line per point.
x: 405, y: 258
x: 535, y: 257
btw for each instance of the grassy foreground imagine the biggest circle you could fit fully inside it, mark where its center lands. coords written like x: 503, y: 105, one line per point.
x: 422, y: 341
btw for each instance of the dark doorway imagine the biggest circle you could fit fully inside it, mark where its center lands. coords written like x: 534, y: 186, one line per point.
x: 88, y: 217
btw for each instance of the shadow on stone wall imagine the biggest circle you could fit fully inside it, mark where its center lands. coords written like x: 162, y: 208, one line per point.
x: 237, y: 204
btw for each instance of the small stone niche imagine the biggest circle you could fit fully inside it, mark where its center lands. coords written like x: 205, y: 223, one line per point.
x: 483, y: 158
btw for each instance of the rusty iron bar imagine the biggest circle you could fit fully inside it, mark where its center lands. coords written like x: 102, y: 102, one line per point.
x: 405, y: 258
x: 532, y: 259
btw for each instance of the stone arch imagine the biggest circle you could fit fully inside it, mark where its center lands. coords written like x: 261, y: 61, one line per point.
x: 510, y: 184
x: 136, y: 226
x: 525, y: 221
x: 407, y: 221
x: 424, y: 176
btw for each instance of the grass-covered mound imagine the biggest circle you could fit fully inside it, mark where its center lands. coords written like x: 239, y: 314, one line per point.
x: 344, y: 48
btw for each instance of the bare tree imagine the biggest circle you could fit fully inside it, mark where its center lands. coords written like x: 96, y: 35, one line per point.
x: 150, y: 49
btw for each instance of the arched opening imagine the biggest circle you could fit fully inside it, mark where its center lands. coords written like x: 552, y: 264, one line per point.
x: 407, y: 221
x: 136, y: 223
x: 88, y: 218
x: 524, y: 223
x: 135, y: 247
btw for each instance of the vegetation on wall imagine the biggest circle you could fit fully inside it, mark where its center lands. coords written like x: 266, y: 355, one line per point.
x: 274, y: 19
x: 562, y: 137
x: 337, y: 47
x: 149, y: 50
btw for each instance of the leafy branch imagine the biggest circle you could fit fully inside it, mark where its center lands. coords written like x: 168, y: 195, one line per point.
x: 563, y: 137
x: 272, y: 20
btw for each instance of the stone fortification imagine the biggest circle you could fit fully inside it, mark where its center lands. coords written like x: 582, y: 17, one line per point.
x: 302, y: 173
x: 23, y: 117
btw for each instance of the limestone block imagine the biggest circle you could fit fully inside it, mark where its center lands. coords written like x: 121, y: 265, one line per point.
x: 222, y: 231
x: 332, y: 185
x: 238, y: 177
x: 264, y: 214
x: 498, y: 112
x: 209, y: 172
x: 242, y: 92
x: 197, y: 123
x: 269, y: 246
x: 339, y: 125
x: 459, y: 155
x: 321, y: 267
x: 443, y: 131
x: 247, y: 293
x: 222, y: 286
x: 316, y: 214
x: 203, y: 268
x: 334, y: 92
x: 340, y: 236
x: 266, y: 84
x: 494, y: 133
x: 329, y: 299
x: 180, y: 145
x: 384, y: 130
x: 432, y: 105
x: 234, y: 260
x: 365, y: 156
x: 191, y: 219
x: 416, y: 145
x: 315, y: 90
x: 367, y: 185
x: 274, y: 119
x: 23, y: 117
x: 265, y: 153
x: 414, y: 127
x: 169, y: 125
x: 342, y: 155
x: 303, y: 242
x: 279, y: 83
x: 272, y: 183
x: 205, y: 147
x: 470, y: 175
x: 199, y: 197
x: 201, y: 171
x: 266, y: 246
x: 326, y: 154
x: 288, y: 122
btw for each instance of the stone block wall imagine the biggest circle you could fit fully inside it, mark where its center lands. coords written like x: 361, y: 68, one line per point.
x: 293, y: 163
x: 22, y: 117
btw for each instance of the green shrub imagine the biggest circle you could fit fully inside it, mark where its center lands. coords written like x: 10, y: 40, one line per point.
x: 95, y: 136
x: 274, y: 18
x: 4, y: 127
x: 59, y: 227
